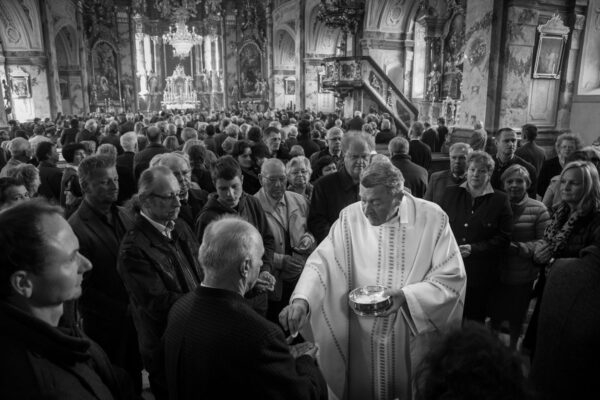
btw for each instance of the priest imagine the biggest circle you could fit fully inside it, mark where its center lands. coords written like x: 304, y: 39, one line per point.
x: 395, y: 240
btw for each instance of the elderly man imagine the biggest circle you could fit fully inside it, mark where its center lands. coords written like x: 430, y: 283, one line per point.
x: 333, y: 192
x: 42, y: 357
x: 141, y: 160
x: 334, y: 148
x: 506, y: 143
x: 192, y: 199
x: 272, y: 138
x: 19, y: 149
x: 286, y: 213
x: 440, y: 180
x: 419, y: 152
x: 394, y: 240
x: 229, y: 198
x: 216, y: 346
x: 100, y: 226
x: 415, y: 176
x: 89, y: 132
x: 158, y: 266
x: 128, y: 184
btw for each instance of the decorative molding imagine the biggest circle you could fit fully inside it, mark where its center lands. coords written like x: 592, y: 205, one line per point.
x: 554, y: 26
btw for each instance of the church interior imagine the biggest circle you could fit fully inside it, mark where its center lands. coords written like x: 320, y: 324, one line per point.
x: 502, y: 62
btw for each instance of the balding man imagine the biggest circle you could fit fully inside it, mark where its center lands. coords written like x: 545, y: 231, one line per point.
x: 192, y: 199
x: 415, y: 176
x: 216, y: 346
x: 141, y: 160
x: 19, y: 149
x: 157, y: 262
x: 286, y: 213
x: 419, y: 152
x: 333, y: 192
x: 440, y: 180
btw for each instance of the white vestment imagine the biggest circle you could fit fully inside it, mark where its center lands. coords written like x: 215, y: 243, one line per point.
x: 373, y: 358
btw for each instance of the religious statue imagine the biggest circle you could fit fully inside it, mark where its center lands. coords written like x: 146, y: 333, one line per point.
x: 433, y: 89
x: 234, y: 90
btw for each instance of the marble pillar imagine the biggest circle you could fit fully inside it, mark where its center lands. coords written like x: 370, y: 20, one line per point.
x: 565, y: 99
x: 141, y: 64
x: 300, y: 52
x: 83, y: 58
x: 269, y: 52
x: 134, y: 63
x: 52, y: 76
x: 207, y: 54
x: 148, y: 54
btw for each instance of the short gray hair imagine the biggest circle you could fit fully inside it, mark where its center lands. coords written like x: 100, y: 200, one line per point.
x: 483, y: 158
x: 398, y: 145
x: 19, y: 146
x: 271, y: 161
x: 461, y: 146
x: 128, y: 141
x: 89, y: 123
x: 417, y: 129
x: 108, y: 149
x: 352, y: 137
x: 165, y: 158
x: 385, y: 174
x: 148, y: 180
x: 188, y: 133
x: 226, y: 243
x: 298, y: 161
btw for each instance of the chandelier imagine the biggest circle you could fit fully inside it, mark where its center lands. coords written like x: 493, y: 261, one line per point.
x: 343, y: 14
x: 181, y: 39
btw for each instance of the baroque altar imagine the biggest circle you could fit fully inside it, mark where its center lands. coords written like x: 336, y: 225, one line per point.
x: 179, y: 91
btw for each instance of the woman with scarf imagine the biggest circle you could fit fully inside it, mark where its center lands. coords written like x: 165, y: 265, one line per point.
x: 575, y: 225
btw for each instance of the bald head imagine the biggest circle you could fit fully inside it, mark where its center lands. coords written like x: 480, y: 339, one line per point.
x: 228, y: 245
x: 271, y: 165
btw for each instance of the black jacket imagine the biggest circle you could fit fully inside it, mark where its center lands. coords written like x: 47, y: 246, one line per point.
x: 156, y: 272
x: 415, y: 176
x: 217, y: 347
x: 141, y: 160
x: 248, y: 208
x: 331, y: 194
x: 50, y: 178
x: 485, y: 224
x: 40, y: 361
x: 419, y: 153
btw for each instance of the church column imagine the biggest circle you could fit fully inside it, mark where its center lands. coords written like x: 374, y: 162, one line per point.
x: 223, y: 63
x: 409, y: 55
x: 269, y: 77
x: 52, y: 77
x: 300, y: 50
x: 148, y: 54
x: 207, y: 54
x: 140, y: 59
x: 83, y: 60
x: 134, y: 61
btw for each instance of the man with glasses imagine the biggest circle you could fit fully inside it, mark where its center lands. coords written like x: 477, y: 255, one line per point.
x: 192, y: 198
x: 334, y: 148
x: 158, y: 263
x: 100, y: 226
x: 333, y: 192
x: 231, y: 199
x: 286, y: 213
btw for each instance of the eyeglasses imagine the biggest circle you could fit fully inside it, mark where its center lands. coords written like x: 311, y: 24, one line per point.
x: 275, y: 179
x: 170, y: 197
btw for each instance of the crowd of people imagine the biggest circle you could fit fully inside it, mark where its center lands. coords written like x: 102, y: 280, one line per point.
x: 216, y: 252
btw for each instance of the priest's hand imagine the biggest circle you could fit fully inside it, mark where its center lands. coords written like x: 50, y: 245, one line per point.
x: 293, y: 317
x: 398, y: 300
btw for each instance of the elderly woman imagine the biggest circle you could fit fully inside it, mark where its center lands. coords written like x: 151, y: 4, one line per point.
x: 517, y: 273
x: 11, y: 192
x: 575, y: 225
x: 29, y: 176
x: 481, y: 219
x: 242, y: 152
x: 565, y: 144
x: 298, y: 173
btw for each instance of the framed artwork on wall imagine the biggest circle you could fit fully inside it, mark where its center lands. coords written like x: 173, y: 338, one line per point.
x: 20, y: 87
x: 550, y: 49
x: 290, y: 87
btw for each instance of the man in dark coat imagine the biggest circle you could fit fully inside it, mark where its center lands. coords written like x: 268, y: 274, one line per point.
x: 415, y: 176
x: 506, y: 143
x: 100, y: 226
x: 529, y: 150
x: 158, y: 264
x: 141, y: 160
x: 42, y: 358
x: 230, y: 199
x: 440, y: 180
x: 50, y: 174
x: 127, y: 182
x: 333, y: 192
x: 565, y: 365
x: 333, y: 149
x: 272, y: 138
x: 419, y: 152
x: 216, y: 346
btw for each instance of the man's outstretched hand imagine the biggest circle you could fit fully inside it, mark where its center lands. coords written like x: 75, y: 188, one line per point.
x: 293, y: 317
